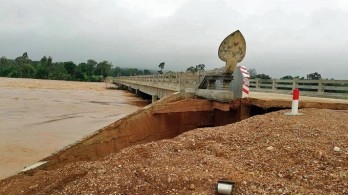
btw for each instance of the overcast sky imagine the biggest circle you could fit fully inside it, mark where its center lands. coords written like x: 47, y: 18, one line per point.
x: 284, y: 37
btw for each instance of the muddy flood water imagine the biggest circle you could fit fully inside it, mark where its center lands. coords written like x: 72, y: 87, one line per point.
x: 39, y: 117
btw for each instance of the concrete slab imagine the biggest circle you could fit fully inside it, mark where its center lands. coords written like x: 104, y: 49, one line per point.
x: 33, y: 166
x: 218, y: 95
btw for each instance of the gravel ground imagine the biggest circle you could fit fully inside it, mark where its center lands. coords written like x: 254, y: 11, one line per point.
x: 265, y: 154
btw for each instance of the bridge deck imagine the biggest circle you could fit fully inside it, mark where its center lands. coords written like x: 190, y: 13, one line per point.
x: 164, y: 84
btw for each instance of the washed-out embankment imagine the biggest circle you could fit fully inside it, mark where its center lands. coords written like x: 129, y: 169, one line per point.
x: 166, y: 118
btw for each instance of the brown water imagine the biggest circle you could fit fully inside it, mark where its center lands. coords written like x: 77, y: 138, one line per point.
x: 37, y: 121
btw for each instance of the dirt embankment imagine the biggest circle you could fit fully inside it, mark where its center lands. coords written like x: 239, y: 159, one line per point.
x: 164, y: 119
x: 271, y: 154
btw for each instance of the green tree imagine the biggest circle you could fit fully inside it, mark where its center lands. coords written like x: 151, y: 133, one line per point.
x: 115, y: 72
x: 314, y: 76
x: 287, y: 77
x: 103, y: 68
x: 58, y: 72
x: 49, y: 61
x: 125, y: 72
x: 28, y: 71
x: 22, y: 62
x: 5, y: 66
x: 262, y: 76
x: 80, y: 72
x: 95, y: 78
x: 161, y: 66
x: 130, y: 71
x: 22, y: 66
x: 44, y: 59
x: 70, y: 67
x: 13, y: 72
x: 42, y: 68
x: 298, y: 77
x: 91, y: 65
x: 200, y: 67
x: 49, y: 64
x: 252, y: 72
x: 147, y: 72
x: 191, y: 69
x: 3, y: 61
x: 133, y: 71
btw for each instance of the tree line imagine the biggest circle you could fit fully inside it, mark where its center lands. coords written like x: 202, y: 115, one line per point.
x: 24, y: 67
x: 312, y: 76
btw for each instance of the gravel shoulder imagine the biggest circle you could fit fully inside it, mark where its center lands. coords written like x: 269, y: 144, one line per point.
x: 270, y: 154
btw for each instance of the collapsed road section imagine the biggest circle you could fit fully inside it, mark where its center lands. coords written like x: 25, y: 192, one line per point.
x: 165, y: 119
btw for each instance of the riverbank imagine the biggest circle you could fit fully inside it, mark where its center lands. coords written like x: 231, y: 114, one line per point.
x: 271, y: 153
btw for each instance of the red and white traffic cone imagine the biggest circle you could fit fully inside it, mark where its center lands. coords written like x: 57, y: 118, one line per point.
x: 295, y: 101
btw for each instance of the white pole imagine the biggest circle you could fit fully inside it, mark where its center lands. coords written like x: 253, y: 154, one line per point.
x: 294, y: 107
x: 295, y: 103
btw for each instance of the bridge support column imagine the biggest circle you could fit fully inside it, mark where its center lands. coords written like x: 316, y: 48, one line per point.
x: 211, y: 84
x: 154, y: 98
x: 226, y: 83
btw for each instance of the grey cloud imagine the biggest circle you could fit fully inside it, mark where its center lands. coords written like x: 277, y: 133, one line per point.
x: 280, y: 41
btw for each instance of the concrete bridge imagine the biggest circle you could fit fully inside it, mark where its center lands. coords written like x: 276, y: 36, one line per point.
x: 160, y: 85
x: 176, y: 113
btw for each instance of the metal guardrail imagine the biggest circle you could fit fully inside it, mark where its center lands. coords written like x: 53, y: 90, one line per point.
x: 180, y: 81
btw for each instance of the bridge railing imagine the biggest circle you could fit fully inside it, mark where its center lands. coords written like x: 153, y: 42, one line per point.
x: 333, y: 88
x: 183, y: 80
x: 178, y: 81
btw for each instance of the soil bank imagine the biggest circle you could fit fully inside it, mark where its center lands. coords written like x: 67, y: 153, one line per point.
x: 265, y: 154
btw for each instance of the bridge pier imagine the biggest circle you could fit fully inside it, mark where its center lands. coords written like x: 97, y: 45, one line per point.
x: 154, y: 98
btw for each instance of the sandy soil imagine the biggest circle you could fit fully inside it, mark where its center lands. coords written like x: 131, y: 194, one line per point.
x: 265, y: 154
x: 38, y: 117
